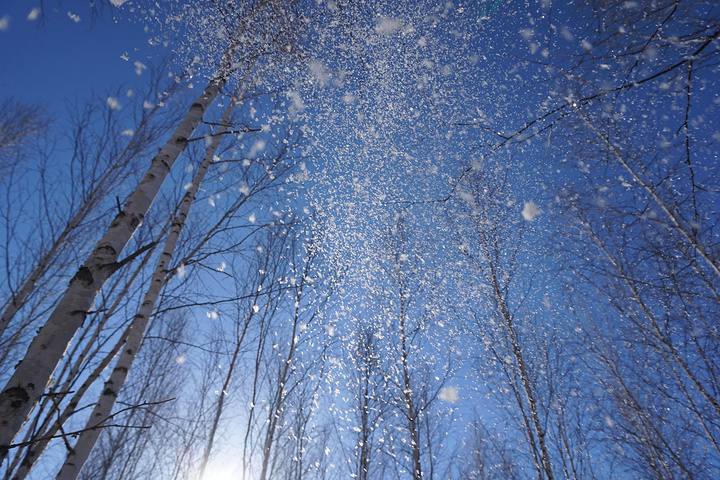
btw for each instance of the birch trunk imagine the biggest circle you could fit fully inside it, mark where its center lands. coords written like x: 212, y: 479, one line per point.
x: 221, y: 401
x: 407, y: 389
x: 544, y: 466
x: 493, y: 247
x: 52, y: 423
x: 50, y: 428
x: 236, y: 353
x: 275, y: 413
x: 411, y: 417
x: 34, y: 373
x: 35, y: 451
x: 676, y: 220
x: 17, y: 301
x: 280, y: 396
x: 103, y: 408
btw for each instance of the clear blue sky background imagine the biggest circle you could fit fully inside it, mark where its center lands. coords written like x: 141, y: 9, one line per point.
x: 380, y: 142
x: 62, y: 58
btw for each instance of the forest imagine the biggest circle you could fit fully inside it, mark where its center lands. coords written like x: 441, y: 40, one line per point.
x: 360, y: 239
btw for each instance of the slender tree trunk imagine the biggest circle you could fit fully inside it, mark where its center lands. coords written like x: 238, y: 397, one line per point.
x: 365, y: 427
x: 220, y: 405
x: 545, y: 466
x: 253, y: 397
x: 407, y: 393
x: 49, y: 428
x: 35, y: 451
x: 275, y: 413
x: 17, y: 301
x: 34, y: 373
x: 226, y: 384
x: 81, y: 452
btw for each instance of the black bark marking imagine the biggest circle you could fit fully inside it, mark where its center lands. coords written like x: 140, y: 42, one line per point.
x: 109, y: 391
x: 15, y: 396
x: 118, y: 219
x: 84, y: 276
x: 107, y: 250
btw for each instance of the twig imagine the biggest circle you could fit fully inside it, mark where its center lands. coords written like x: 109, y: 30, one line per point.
x: 64, y: 435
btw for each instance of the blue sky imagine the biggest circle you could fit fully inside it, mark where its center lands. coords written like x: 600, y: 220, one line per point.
x: 64, y: 58
x: 385, y: 117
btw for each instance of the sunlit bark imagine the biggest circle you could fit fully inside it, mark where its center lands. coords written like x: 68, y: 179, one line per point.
x: 103, y: 408
x: 34, y: 373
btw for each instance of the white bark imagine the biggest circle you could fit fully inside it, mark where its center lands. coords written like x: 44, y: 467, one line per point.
x: 54, y: 421
x: 34, y: 372
x: 103, y: 408
x: 544, y: 464
x: 93, y: 197
x: 677, y: 223
x: 411, y: 412
x: 36, y: 450
x: 277, y: 403
x: 221, y: 400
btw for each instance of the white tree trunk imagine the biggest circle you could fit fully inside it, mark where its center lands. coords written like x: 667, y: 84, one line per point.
x: 275, y: 413
x: 54, y: 420
x: 48, y: 434
x: 77, y: 457
x: 677, y: 223
x: 92, y: 199
x: 34, y: 372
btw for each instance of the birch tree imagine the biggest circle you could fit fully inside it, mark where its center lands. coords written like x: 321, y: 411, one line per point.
x: 104, y: 161
x: 137, y: 447
x: 638, y: 195
x: 367, y: 408
x: 105, y: 154
x: 292, y: 364
x: 417, y: 363
x: 57, y: 409
x: 664, y: 351
x: 274, y: 171
x: 493, y: 254
x: 33, y: 373
x: 80, y: 453
x: 259, y: 296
